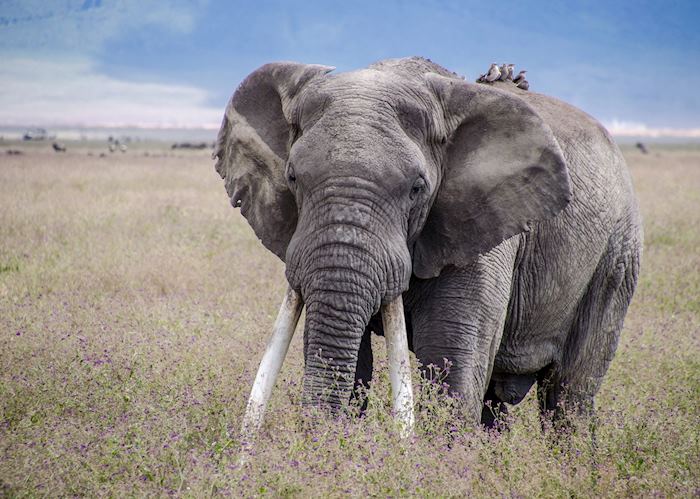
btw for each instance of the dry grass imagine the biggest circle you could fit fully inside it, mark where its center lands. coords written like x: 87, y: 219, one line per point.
x: 135, y: 304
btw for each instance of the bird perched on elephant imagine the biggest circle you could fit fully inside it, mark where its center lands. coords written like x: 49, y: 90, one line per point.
x: 494, y: 228
x: 520, y: 77
x: 493, y: 74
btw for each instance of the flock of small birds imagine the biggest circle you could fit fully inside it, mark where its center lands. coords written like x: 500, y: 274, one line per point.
x: 504, y: 72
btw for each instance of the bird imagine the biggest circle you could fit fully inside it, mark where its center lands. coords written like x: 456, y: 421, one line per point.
x: 511, y: 69
x: 494, y: 73
x: 504, y: 72
x: 523, y: 84
x: 112, y: 148
x: 520, y: 77
x: 58, y: 147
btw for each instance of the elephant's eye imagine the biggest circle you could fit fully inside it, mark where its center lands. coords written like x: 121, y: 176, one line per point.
x: 290, y: 174
x: 418, y: 187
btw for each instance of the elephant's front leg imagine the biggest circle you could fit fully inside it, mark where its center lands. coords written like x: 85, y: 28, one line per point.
x: 460, y: 317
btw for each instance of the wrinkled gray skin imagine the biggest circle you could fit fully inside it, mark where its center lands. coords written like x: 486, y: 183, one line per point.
x: 506, y: 219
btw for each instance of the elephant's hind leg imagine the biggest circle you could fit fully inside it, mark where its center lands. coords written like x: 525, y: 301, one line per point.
x: 592, y: 341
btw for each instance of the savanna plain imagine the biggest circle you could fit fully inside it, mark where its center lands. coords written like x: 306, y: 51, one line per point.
x: 135, y: 305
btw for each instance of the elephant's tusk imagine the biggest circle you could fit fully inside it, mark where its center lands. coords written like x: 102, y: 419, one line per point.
x: 270, y: 365
x: 399, y: 364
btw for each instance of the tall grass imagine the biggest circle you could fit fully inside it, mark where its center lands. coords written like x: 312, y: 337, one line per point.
x: 135, y: 305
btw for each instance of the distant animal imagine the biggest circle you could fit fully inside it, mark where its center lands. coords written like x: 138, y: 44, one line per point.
x: 189, y: 145
x: 642, y: 148
x: 35, y: 134
x: 523, y: 84
x: 520, y: 77
x: 122, y: 147
x: 112, y: 148
x: 491, y: 227
x: 58, y: 147
x: 14, y: 152
x: 493, y: 73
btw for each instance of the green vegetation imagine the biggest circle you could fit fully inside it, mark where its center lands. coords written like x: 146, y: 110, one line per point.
x: 135, y: 305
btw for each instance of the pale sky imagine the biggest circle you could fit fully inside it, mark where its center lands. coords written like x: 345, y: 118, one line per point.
x: 631, y: 64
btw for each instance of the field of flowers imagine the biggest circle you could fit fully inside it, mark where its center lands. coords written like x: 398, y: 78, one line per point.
x: 135, y: 304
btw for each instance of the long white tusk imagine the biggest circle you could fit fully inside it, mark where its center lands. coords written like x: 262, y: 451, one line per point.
x: 399, y: 364
x: 270, y: 365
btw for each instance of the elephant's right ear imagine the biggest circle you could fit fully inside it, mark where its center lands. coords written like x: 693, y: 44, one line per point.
x: 253, y: 146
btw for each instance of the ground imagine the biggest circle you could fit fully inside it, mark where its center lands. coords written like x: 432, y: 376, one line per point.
x: 135, y: 304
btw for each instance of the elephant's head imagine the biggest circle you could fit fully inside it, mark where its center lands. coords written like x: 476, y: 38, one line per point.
x: 360, y: 180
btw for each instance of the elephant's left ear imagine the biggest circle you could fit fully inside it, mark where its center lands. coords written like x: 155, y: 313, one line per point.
x: 502, y: 170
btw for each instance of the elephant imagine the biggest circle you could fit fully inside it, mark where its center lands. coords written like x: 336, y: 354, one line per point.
x: 493, y: 227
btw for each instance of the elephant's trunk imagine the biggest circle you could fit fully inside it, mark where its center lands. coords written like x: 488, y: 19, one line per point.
x: 347, y: 256
x: 341, y: 293
x: 335, y: 322
x: 339, y: 304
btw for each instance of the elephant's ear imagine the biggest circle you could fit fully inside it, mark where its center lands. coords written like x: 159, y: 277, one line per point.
x: 502, y: 170
x: 253, y: 146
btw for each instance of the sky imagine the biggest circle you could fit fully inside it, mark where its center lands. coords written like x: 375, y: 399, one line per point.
x: 634, y: 65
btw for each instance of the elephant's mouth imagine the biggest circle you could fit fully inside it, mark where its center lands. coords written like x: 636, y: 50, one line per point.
x: 287, y: 319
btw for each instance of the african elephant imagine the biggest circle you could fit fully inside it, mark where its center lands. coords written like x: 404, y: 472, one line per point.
x: 503, y: 221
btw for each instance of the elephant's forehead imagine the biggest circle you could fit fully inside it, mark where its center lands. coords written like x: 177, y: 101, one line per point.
x: 354, y: 123
x: 369, y: 86
x: 350, y: 141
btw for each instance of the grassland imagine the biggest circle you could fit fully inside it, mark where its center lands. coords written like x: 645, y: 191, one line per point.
x: 135, y: 305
